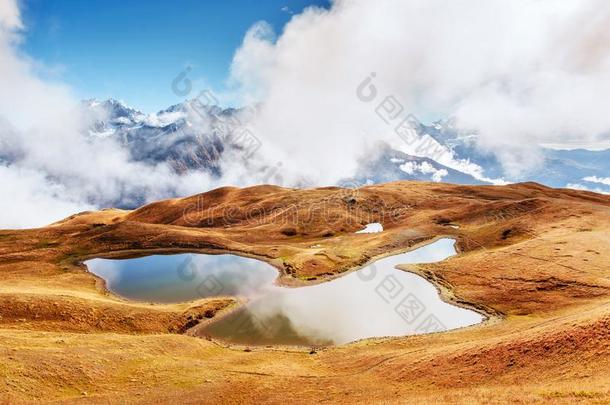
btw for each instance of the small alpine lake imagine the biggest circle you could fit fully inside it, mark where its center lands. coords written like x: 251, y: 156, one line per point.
x: 374, y: 301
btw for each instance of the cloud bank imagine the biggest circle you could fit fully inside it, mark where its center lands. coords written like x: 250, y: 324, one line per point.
x: 49, y: 168
x: 520, y: 74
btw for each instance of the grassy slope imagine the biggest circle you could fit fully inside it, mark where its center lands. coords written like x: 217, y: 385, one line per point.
x: 535, y: 257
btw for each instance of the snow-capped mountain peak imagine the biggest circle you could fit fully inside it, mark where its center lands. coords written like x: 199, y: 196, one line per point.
x: 194, y: 135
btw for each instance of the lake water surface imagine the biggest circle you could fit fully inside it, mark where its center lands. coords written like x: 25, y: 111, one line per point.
x: 183, y: 277
x: 377, y: 300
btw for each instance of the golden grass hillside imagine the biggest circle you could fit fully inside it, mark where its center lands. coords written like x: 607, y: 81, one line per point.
x: 536, y: 259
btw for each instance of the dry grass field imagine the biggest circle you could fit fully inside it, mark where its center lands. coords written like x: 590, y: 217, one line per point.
x: 535, y: 259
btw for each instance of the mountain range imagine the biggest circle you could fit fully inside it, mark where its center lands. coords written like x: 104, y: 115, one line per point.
x: 196, y: 136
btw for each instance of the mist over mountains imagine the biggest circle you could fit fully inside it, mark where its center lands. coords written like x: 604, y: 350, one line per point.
x: 192, y: 146
x: 193, y: 136
x: 508, y: 79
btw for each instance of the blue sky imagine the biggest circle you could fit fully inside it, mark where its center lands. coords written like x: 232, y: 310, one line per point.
x: 132, y: 50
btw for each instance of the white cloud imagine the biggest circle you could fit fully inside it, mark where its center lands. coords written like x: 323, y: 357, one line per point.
x: 424, y: 168
x: 30, y: 200
x: 600, y: 180
x: 10, y: 18
x: 54, y: 169
x: 581, y: 187
x: 519, y: 73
